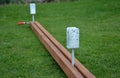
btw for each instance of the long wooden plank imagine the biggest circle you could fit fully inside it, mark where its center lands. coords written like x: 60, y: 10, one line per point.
x: 78, y: 65
x: 70, y: 71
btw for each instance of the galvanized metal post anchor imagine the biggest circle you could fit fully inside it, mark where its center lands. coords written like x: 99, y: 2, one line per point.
x: 72, y: 40
x: 33, y: 10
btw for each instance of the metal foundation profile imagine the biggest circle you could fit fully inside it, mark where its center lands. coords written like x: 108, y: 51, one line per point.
x: 60, y: 54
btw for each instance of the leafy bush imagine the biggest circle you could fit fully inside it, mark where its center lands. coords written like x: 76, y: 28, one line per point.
x: 4, y: 1
x: 27, y: 1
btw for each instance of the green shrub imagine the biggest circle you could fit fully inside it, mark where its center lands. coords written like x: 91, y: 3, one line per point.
x: 4, y: 1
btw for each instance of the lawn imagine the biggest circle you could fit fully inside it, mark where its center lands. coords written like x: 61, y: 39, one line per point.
x: 22, y: 55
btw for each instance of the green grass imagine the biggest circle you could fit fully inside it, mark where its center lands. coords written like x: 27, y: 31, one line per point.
x: 22, y: 55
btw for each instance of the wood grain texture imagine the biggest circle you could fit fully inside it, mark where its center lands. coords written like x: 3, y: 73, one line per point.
x: 60, y: 54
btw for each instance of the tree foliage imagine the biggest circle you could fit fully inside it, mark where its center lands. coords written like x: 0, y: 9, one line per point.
x: 28, y: 1
x: 4, y: 1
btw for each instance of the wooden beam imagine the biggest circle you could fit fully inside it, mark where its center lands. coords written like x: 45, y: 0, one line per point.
x: 60, y: 54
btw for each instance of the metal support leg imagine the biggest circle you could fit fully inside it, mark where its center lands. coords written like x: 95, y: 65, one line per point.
x: 33, y: 18
x: 72, y: 57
